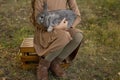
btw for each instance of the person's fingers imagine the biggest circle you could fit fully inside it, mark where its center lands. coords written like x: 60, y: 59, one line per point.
x: 63, y: 21
x: 66, y: 22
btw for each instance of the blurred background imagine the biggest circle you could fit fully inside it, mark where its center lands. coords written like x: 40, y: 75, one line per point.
x: 98, y: 57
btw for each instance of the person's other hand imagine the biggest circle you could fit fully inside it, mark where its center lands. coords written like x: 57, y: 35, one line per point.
x: 63, y: 25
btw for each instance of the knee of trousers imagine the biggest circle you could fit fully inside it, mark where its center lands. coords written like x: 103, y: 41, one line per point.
x: 64, y: 39
x: 77, y: 38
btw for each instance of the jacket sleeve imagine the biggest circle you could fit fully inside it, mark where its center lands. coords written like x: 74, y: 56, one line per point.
x: 73, y: 5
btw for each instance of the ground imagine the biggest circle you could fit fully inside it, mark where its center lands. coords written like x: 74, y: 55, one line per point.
x: 97, y: 59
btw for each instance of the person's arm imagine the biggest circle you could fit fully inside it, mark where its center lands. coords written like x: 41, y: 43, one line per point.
x: 73, y: 6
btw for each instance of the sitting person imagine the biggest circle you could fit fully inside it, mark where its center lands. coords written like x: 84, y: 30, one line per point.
x: 58, y: 45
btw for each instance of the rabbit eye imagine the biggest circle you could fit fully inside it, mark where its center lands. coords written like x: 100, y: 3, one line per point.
x: 41, y: 16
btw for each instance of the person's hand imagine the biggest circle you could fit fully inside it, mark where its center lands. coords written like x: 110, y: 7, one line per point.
x: 63, y: 25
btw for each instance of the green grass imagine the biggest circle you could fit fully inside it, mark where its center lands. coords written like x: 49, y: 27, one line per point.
x: 97, y: 59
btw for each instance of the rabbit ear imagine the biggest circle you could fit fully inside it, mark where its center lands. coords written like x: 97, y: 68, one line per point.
x: 45, y: 5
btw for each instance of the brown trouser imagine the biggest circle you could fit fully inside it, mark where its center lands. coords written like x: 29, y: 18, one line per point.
x: 64, y: 52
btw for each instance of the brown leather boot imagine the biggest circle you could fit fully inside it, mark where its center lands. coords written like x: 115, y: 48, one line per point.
x: 56, y: 68
x: 42, y: 70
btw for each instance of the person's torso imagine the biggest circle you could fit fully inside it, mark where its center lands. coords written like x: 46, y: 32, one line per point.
x: 56, y: 4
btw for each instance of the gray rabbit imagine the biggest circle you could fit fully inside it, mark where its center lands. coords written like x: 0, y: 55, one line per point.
x: 52, y: 18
